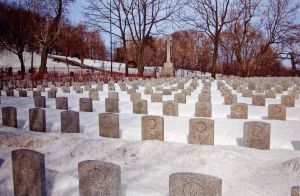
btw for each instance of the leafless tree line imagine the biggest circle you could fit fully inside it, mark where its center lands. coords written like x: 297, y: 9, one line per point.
x: 242, y: 34
x: 137, y: 20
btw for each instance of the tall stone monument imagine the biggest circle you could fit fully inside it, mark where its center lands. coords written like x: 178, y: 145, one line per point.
x: 168, y: 70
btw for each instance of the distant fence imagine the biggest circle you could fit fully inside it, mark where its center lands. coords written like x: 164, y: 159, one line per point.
x: 62, y: 75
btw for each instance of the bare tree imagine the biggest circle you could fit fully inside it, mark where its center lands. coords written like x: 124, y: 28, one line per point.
x: 291, y: 50
x: 147, y: 18
x: 277, y: 22
x: 132, y: 20
x: 47, y: 18
x: 103, y: 13
x: 211, y: 17
x: 15, y: 34
x: 246, y: 35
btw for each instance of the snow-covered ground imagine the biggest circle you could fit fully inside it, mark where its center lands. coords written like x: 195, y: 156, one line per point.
x: 146, y: 165
x: 8, y: 59
x: 120, y: 67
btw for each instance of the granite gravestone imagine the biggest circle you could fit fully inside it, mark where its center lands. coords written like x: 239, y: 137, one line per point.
x: 152, y: 128
x: 276, y: 112
x: 203, y: 109
x: 239, y: 111
x: 201, y: 131
x: 28, y: 168
x: 99, y: 178
x: 70, y: 122
x: 61, y: 103
x: 257, y: 135
x: 37, y: 120
x: 85, y: 104
x: 193, y: 184
x: 109, y: 125
x: 170, y: 108
x: 9, y: 117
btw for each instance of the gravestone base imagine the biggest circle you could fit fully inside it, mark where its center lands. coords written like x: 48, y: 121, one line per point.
x: 168, y: 70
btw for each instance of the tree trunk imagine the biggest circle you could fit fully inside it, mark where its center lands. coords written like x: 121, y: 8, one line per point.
x: 215, y: 57
x: 81, y: 60
x: 67, y: 61
x: 293, y: 62
x: 126, y: 59
x: 44, y: 56
x: 20, y: 56
x: 32, y: 59
x: 141, y: 61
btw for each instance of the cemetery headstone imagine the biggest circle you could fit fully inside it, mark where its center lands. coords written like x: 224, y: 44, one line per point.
x: 37, y: 120
x: 9, y: 117
x: 193, y: 184
x: 153, y: 128
x: 85, y: 104
x: 28, y: 168
x: 257, y: 135
x: 70, y: 122
x: 99, y: 178
x: 201, y: 131
x: 109, y: 125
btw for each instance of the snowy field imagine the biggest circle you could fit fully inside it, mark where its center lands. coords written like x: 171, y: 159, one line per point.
x: 8, y: 59
x: 146, y: 165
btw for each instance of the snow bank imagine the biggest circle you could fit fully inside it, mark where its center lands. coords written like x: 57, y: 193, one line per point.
x: 146, y: 166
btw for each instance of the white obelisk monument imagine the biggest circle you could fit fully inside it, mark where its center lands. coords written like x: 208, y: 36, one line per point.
x: 168, y: 70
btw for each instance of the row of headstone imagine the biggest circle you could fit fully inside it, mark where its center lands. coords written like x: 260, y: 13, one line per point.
x: 104, y: 178
x: 257, y: 99
x: 99, y: 178
x: 201, y: 131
